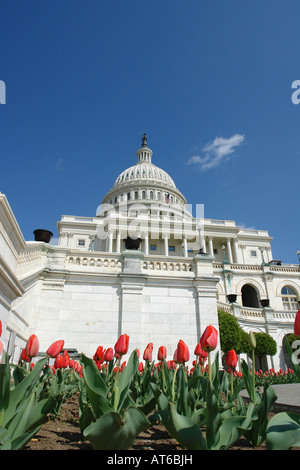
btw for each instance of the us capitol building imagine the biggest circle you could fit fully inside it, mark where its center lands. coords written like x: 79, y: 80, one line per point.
x: 145, y: 266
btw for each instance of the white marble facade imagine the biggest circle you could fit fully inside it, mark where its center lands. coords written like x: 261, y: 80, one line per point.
x: 89, y: 288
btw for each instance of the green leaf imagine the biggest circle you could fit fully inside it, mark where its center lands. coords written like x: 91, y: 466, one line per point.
x: 124, y: 378
x: 96, y: 388
x: 283, y: 431
x: 32, y: 414
x: 187, y: 433
x: 114, y: 432
x: 234, y: 427
x: 23, y: 390
x: 4, y: 388
x: 5, y: 443
x: 213, y: 418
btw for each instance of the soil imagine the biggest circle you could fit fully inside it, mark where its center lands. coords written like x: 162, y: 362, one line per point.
x: 64, y: 433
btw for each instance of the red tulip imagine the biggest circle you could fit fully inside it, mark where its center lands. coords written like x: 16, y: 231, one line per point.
x: 162, y: 352
x: 55, y: 348
x: 150, y: 347
x: 209, y: 339
x: 171, y: 365
x: 121, y: 346
x: 24, y: 357
x: 175, y: 357
x: 99, y: 354
x: 141, y: 367
x: 147, y: 354
x: 200, y: 352
x: 109, y: 355
x: 32, y: 346
x: 58, y: 361
x: 65, y: 360
x: 231, y: 359
x: 297, y: 324
x: 183, y: 354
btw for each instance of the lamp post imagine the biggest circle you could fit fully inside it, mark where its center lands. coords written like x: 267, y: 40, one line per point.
x: 298, y: 253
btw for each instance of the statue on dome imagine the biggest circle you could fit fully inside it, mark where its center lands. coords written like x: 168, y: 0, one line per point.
x: 144, y: 140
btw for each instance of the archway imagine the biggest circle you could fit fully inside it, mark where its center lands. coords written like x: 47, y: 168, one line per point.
x: 249, y: 296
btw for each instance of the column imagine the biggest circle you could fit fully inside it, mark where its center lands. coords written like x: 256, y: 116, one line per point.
x: 146, y: 244
x: 235, y: 251
x: 210, y: 246
x: 166, y: 246
x: 110, y: 241
x: 185, y: 251
x: 229, y: 252
x: 118, y: 247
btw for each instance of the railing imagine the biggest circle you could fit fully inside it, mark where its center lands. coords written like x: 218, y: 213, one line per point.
x: 94, y: 261
x: 174, y: 265
x: 257, y: 314
x: 34, y: 258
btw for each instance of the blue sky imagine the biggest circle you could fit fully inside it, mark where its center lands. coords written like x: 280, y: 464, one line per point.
x: 209, y: 82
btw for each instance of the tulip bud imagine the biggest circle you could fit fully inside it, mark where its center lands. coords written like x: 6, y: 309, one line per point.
x: 55, y: 348
x: 32, y: 346
x: 183, y: 354
x: 231, y: 359
x: 109, y: 355
x: 121, y: 346
x: 297, y: 324
x: 209, y: 338
x: 252, y: 340
x: 58, y: 361
x: 1, y: 349
x: 162, y: 352
x: 147, y: 355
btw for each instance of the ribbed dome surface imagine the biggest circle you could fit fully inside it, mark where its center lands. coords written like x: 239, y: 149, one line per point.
x: 145, y: 171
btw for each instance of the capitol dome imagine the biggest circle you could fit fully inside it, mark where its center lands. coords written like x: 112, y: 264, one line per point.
x: 144, y: 181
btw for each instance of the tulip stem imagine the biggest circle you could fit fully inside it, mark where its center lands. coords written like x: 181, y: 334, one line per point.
x: 209, y: 368
x: 253, y: 373
x: 163, y: 373
x: 231, y: 380
x: 117, y: 373
x: 173, y: 385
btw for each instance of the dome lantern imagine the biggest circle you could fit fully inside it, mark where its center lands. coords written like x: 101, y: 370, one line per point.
x: 144, y: 153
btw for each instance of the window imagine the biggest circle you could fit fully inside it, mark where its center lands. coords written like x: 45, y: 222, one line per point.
x: 128, y: 196
x: 253, y: 254
x: 136, y: 195
x: 144, y: 195
x: 81, y: 243
x: 153, y: 247
x: 171, y: 248
x: 215, y: 251
x: 289, y: 298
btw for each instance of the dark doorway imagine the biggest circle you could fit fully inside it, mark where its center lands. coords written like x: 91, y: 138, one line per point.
x: 249, y: 296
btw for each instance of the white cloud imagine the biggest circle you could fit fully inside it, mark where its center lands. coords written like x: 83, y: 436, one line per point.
x: 58, y: 164
x: 216, y: 152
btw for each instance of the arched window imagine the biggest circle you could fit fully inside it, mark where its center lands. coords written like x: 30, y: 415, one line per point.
x: 151, y: 194
x: 249, y: 296
x: 144, y: 195
x: 136, y: 195
x: 289, y: 298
